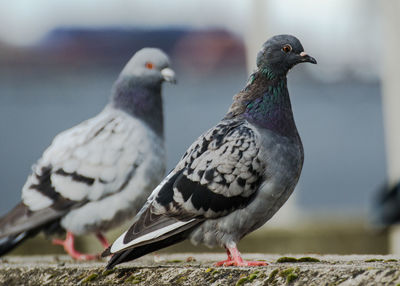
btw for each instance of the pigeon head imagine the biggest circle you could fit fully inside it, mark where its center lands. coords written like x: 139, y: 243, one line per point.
x: 279, y: 54
x: 150, y: 65
x: 137, y: 90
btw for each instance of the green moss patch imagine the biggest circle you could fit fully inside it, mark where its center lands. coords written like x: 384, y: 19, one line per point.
x: 108, y: 272
x: 246, y: 279
x: 291, y: 277
x: 308, y: 259
x: 133, y: 279
x: 90, y: 278
x: 290, y: 274
x: 272, y: 275
x: 287, y: 259
x: 374, y: 260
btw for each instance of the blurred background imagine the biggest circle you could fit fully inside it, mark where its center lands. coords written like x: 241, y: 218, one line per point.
x: 59, y: 59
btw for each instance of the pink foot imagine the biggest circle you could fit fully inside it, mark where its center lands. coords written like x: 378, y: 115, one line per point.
x: 234, y: 259
x: 103, y: 240
x: 68, y: 245
x: 254, y: 263
x: 225, y: 262
x: 240, y: 263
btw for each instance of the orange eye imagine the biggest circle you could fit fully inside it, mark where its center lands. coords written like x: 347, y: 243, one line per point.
x: 149, y: 65
x: 287, y: 48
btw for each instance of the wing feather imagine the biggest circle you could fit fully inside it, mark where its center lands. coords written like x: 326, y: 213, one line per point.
x: 87, y: 162
x: 219, y: 173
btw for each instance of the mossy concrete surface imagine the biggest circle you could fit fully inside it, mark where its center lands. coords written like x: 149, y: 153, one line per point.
x: 199, y: 269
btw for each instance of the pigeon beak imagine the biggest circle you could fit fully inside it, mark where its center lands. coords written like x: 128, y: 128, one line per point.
x: 305, y: 58
x: 168, y: 75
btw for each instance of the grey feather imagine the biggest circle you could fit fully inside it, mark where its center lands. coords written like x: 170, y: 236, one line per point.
x: 100, y: 172
x: 235, y: 176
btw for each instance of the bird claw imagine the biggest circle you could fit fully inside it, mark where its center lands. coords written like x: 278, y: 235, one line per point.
x: 234, y: 259
x: 68, y: 245
x: 224, y: 263
x: 255, y: 263
x: 240, y: 263
x: 86, y: 257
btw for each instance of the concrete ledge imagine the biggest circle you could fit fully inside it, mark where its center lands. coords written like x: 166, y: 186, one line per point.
x: 198, y: 269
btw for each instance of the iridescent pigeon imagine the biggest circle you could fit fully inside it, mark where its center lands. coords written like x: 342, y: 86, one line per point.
x: 235, y: 176
x: 99, y: 173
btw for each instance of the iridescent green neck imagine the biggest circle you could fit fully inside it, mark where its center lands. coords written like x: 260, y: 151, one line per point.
x: 272, y: 97
x: 265, y: 74
x: 265, y: 102
x: 268, y: 73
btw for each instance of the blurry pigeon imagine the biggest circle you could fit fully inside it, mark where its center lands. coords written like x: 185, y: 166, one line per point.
x: 235, y: 176
x: 100, y: 172
x: 386, y: 206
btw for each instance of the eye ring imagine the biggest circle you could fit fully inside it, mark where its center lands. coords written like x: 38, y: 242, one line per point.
x: 149, y: 65
x: 287, y: 48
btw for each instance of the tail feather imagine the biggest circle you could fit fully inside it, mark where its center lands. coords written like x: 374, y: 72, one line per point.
x: 8, y: 243
x: 21, y: 219
x: 21, y: 223
x: 136, y: 252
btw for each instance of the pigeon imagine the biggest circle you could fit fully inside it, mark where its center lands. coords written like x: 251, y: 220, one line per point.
x: 385, y: 209
x: 99, y: 173
x: 235, y: 176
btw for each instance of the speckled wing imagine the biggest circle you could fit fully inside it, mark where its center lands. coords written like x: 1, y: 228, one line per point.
x: 219, y: 173
x: 85, y: 163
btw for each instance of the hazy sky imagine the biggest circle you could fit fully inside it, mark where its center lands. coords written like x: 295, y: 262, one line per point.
x: 25, y: 21
x: 344, y: 34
